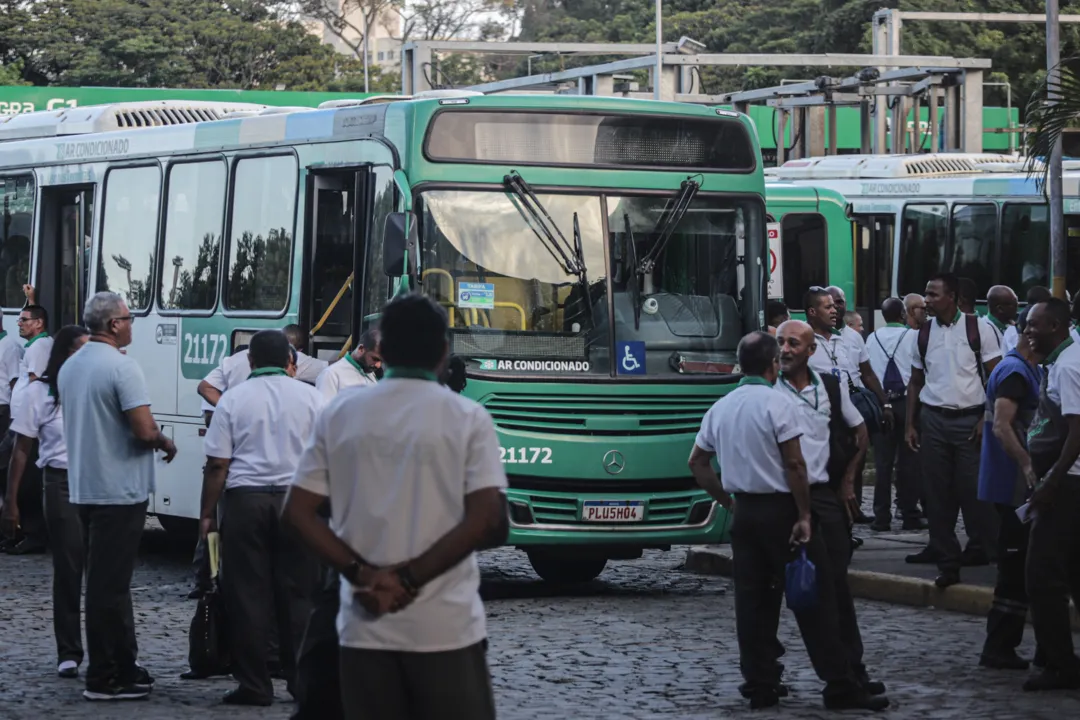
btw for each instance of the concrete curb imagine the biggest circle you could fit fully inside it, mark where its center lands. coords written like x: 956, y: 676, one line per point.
x: 897, y: 589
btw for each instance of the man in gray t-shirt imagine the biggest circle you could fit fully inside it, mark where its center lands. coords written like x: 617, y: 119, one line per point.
x: 111, y: 438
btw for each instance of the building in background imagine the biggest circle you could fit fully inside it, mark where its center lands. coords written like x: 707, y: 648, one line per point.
x: 384, y: 45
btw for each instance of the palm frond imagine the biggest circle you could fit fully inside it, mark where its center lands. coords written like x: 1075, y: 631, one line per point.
x: 1053, y: 107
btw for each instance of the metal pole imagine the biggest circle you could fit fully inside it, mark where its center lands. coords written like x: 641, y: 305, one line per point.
x: 1057, y: 219
x: 367, y: 79
x: 659, y: 54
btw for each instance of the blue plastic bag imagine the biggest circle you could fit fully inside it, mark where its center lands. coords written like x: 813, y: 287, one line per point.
x: 800, y: 586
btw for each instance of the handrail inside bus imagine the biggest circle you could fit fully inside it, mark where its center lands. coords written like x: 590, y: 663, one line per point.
x: 333, y: 305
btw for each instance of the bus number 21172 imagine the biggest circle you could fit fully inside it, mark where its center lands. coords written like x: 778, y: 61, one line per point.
x: 527, y: 456
x: 202, y: 349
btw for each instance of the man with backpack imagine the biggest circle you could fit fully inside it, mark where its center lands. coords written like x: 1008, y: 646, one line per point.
x: 891, y: 350
x: 955, y: 353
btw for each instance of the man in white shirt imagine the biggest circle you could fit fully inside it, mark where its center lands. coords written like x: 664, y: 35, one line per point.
x: 755, y: 431
x: 891, y: 351
x: 1054, y: 545
x: 357, y: 368
x: 11, y: 352
x: 841, y: 351
x: 947, y: 385
x: 416, y: 487
x: 253, y: 447
x: 1035, y: 294
x: 825, y: 409
x: 915, y: 309
x: 1001, y: 307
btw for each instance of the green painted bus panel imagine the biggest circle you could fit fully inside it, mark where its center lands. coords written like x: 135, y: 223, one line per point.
x: 782, y: 199
x: 204, y: 341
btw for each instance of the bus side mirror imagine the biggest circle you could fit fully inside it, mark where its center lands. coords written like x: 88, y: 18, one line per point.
x: 397, y: 245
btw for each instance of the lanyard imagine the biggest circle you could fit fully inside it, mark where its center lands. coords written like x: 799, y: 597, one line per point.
x: 802, y: 397
x: 34, y: 339
x: 825, y: 343
x: 267, y: 371
x: 408, y: 372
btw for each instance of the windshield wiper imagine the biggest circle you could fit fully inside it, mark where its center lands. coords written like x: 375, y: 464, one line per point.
x: 669, y: 219
x: 633, y: 278
x: 569, y: 256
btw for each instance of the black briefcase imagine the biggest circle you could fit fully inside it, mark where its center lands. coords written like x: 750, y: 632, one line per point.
x: 208, y: 643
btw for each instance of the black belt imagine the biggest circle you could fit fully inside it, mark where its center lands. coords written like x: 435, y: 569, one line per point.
x: 264, y: 489
x: 770, y: 494
x: 956, y: 412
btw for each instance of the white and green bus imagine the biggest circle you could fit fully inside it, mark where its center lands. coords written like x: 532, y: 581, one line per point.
x: 599, y: 258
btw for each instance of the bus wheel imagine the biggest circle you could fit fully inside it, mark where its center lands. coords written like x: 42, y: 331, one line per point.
x: 180, y: 529
x: 564, y: 567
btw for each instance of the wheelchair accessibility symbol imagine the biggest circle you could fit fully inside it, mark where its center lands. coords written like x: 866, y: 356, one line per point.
x: 630, y: 357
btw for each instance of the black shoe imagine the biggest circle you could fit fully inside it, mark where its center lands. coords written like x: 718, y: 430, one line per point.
x: 747, y: 689
x: 1003, y: 660
x: 116, y: 691
x: 1039, y: 660
x: 873, y: 687
x: 243, y: 696
x: 881, y: 526
x: 764, y: 697
x: 143, y: 677
x: 27, y: 547
x: 8, y: 543
x: 1051, y: 679
x: 974, y: 558
x: 863, y: 519
x: 196, y: 594
x: 926, y: 556
x: 856, y: 699
x: 947, y: 578
x: 914, y: 523
x: 193, y: 675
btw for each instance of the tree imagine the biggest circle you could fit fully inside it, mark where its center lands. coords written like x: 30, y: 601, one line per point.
x: 1054, y: 107
x: 340, y: 17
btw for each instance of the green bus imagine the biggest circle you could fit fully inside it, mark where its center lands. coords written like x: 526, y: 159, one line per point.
x: 599, y: 259
x: 811, y: 242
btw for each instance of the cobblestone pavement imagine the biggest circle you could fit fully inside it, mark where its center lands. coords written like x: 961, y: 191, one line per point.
x: 645, y: 641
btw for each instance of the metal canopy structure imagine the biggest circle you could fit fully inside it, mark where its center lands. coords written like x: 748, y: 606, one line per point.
x: 914, y: 78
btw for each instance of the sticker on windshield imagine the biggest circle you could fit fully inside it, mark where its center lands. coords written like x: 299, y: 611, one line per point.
x: 568, y: 366
x: 476, y: 295
x: 630, y: 357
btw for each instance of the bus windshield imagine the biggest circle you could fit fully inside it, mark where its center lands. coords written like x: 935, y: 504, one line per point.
x: 675, y: 281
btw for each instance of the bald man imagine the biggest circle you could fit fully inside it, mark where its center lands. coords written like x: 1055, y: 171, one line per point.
x: 824, y: 408
x: 891, y: 349
x: 1002, y: 305
x: 915, y: 309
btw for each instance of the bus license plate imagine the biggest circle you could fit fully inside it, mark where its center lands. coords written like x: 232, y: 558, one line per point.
x: 613, y: 511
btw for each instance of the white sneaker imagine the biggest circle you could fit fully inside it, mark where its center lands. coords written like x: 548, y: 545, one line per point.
x: 68, y: 669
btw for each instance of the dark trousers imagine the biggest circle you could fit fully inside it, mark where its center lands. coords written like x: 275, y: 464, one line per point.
x: 760, y: 532
x: 1053, y: 574
x: 31, y: 504
x: 268, y: 580
x: 831, y: 524
x: 318, y: 687
x: 950, y: 465
x: 390, y: 685
x: 892, y: 453
x: 111, y: 534
x: 1008, y: 614
x: 68, y: 559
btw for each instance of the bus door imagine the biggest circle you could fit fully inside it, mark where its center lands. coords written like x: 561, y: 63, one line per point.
x: 335, y: 246
x: 64, y: 242
x: 874, y: 236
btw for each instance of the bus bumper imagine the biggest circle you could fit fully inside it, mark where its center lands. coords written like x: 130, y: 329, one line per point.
x: 680, y: 518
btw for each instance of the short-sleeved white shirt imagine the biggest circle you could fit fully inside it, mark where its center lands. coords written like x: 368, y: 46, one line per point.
x: 835, y: 355
x: 1012, y: 337
x: 40, y: 418
x: 340, y: 375
x: 814, y: 411
x: 857, y: 352
x: 397, y: 461
x: 897, y: 342
x: 999, y: 335
x: 1063, y: 386
x: 309, y: 368
x: 745, y: 428
x: 11, y: 354
x: 35, y: 360
x: 261, y: 426
x: 235, y: 369
x: 952, y: 374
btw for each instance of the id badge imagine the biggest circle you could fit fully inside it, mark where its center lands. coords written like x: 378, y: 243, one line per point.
x: 836, y: 373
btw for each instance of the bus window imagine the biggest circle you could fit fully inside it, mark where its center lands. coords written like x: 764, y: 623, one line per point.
x: 922, y: 245
x: 376, y: 282
x: 874, y: 239
x: 260, y: 237
x: 129, y: 234
x: 1025, y: 247
x: 805, y: 245
x: 194, y: 217
x: 974, y: 230
x: 18, y: 195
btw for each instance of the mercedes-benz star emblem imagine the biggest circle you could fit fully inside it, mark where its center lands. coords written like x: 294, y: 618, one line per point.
x: 614, y: 462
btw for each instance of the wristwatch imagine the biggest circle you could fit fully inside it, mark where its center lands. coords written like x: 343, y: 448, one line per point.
x: 408, y: 581
x: 352, y: 572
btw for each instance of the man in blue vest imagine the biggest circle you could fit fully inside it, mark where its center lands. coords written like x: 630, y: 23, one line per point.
x: 1005, y: 475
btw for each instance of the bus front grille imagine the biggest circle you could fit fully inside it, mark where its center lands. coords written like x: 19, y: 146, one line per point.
x: 550, y: 510
x: 594, y: 414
